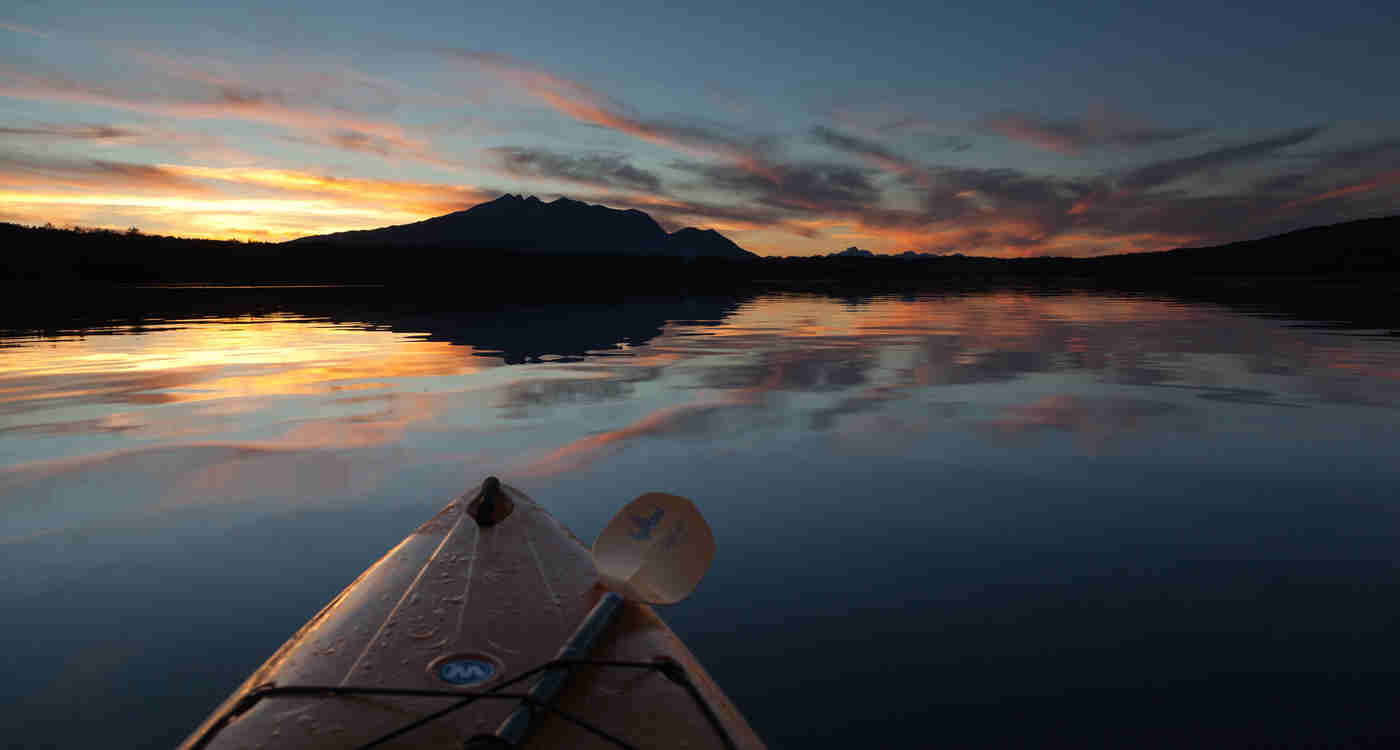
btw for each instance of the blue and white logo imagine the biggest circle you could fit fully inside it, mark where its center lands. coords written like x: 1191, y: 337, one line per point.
x: 466, y: 671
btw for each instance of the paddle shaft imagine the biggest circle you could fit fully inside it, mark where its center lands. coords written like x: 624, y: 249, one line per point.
x: 515, y: 728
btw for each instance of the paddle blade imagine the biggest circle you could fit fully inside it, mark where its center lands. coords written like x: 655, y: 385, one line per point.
x: 656, y: 549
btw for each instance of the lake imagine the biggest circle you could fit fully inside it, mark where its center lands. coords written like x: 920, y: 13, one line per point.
x: 958, y: 518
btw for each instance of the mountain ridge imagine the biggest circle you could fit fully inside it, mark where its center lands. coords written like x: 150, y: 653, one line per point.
x: 529, y: 225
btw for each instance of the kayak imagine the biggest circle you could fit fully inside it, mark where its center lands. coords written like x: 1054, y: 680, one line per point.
x: 493, y: 626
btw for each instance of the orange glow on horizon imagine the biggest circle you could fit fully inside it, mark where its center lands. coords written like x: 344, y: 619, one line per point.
x: 215, y: 202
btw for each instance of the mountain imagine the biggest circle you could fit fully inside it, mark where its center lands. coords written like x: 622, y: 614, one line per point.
x: 530, y: 225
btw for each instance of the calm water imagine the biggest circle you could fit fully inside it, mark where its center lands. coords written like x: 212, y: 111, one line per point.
x: 965, y: 520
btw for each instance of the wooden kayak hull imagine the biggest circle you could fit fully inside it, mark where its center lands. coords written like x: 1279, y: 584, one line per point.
x: 501, y: 598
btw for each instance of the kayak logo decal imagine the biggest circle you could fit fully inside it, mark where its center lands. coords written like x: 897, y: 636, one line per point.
x: 465, y: 670
x: 647, y: 524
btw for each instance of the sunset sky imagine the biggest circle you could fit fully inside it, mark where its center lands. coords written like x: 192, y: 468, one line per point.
x: 794, y: 127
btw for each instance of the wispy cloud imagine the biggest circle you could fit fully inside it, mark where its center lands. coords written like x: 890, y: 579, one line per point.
x: 222, y: 97
x: 1164, y: 172
x: 808, y: 187
x: 72, y: 132
x: 1070, y: 136
x: 608, y: 170
x: 1377, y: 154
x: 869, y: 150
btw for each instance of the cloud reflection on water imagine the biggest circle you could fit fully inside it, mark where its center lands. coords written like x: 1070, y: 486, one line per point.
x: 296, y: 407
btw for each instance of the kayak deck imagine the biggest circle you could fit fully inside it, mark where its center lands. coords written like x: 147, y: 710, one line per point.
x: 459, y: 608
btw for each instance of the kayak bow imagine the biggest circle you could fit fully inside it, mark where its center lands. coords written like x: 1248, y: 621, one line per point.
x: 491, y: 626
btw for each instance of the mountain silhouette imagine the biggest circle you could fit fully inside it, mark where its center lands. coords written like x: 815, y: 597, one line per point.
x: 530, y: 225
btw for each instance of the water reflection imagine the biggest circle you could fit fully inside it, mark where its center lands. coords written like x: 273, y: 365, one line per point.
x: 231, y: 403
x: 1015, y: 428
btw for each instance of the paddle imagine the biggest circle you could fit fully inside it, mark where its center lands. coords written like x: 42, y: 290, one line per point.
x: 655, y: 550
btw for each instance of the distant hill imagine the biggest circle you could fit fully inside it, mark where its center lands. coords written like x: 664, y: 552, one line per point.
x: 1363, y: 245
x: 530, y: 225
x: 1350, y: 247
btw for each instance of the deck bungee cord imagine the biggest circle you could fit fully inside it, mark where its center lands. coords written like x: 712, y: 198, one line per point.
x: 671, y: 669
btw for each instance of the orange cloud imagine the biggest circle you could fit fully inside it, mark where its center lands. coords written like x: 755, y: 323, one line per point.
x: 590, y: 106
x: 17, y: 171
x: 1379, y: 181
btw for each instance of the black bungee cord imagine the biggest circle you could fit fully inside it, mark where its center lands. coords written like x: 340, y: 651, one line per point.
x: 666, y: 666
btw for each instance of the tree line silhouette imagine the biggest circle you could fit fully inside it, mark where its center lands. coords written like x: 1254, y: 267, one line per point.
x: 49, y: 254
